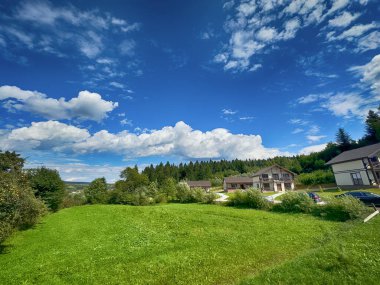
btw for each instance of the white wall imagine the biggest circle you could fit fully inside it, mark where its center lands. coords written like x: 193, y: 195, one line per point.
x: 344, y: 178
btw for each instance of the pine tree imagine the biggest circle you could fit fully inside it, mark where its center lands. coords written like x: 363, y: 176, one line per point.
x: 343, y: 140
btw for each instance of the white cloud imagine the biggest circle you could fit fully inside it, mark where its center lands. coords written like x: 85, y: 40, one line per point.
x: 125, y: 122
x: 313, y: 138
x: 312, y: 148
x: 298, y: 122
x: 343, y: 20
x: 179, y: 140
x: 369, y: 42
x: 356, y: 31
x: 370, y: 73
x: 117, y: 84
x: 297, y: 131
x: 247, y: 118
x: 127, y: 47
x: 257, y: 27
x: 229, y: 112
x: 87, y: 106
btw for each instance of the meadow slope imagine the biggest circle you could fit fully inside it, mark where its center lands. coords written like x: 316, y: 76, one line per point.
x: 167, y: 244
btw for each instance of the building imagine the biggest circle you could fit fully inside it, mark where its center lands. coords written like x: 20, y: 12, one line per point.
x: 205, y: 184
x: 230, y: 184
x: 274, y: 178
x: 357, y: 168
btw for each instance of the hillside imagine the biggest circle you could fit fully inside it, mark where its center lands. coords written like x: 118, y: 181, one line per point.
x: 166, y: 244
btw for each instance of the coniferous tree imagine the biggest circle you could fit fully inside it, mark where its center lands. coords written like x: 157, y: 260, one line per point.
x: 343, y: 140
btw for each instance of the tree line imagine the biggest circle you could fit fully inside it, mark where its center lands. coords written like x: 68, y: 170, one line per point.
x: 314, y: 162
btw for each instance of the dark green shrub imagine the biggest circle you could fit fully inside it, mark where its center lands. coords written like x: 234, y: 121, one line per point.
x: 341, y: 209
x: 48, y: 186
x: 251, y: 198
x: 96, y: 191
x: 295, y: 202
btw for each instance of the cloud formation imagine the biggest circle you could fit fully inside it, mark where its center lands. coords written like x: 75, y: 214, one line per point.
x: 179, y: 140
x: 87, y: 106
x: 256, y: 27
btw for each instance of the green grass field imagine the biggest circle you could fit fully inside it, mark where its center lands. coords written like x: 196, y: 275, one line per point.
x: 188, y: 244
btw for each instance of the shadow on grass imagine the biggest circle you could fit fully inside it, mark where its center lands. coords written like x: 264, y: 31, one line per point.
x: 4, y: 249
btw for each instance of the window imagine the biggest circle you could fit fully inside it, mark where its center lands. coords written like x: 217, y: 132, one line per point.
x: 285, y: 175
x: 288, y: 185
x: 275, y: 176
x: 264, y: 175
x: 266, y: 186
x: 357, y: 178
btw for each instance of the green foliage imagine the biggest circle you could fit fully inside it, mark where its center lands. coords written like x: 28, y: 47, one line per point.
x: 316, y: 177
x: 295, y: 202
x: 48, y: 186
x: 341, y: 209
x: 195, y: 195
x: 73, y: 199
x: 11, y: 162
x: 96, y: 191
x: 168, y: 189
x: 19, y: 208
x: 344, y: 140
x: 251, y: 198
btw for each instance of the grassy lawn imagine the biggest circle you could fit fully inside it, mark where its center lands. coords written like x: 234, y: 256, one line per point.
x: 333, y: 192
x: 352, y: 258
x: 166, y: 244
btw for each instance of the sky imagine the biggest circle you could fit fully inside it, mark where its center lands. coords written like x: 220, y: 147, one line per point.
x: 91, y: 87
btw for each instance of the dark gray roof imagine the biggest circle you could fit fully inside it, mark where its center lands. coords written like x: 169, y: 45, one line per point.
x: 355, y: 154
x: 200, y: 183
x: 266, y: 169
x: 238, y: 179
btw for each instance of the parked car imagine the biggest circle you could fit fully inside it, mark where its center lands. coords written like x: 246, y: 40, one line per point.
x: 314, y: 196
x: 367, y: 198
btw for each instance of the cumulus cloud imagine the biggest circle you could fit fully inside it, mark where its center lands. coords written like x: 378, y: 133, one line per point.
x: 87, y: 106
x: 179, y: 140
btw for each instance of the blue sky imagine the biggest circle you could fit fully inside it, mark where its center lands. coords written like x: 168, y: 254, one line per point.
x: 90, y: 87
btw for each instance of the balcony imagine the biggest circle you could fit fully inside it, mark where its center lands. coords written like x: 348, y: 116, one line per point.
x: 280, y: 179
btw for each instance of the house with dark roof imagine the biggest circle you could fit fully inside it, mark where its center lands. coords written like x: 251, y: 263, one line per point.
x: 205, y: 184
x: 233, y: 183
x: 357, y: 168
x: 274, y: 178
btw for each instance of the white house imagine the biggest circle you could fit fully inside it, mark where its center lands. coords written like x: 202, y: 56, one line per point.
x: 357, y: 168
x: 274, y: 178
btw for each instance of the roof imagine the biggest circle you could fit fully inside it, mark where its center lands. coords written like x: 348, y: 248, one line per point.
x: 200, y: 183
x: 238, y: 179
x: 355, y: 154
x: 266, y: 169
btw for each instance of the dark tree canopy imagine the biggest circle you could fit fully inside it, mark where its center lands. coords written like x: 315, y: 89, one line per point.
x: 11, y: 161
x: 48, y: 186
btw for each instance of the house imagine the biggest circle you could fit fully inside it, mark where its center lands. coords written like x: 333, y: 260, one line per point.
x: 274, y: 178
x: 357, y: 168
x: 230, y: 184
x: 205, y: 184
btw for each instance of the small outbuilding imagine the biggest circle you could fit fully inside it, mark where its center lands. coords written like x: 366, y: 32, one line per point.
x: 233, y: 183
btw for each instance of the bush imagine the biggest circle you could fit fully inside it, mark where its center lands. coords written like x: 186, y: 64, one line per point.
x: 341, y: 209
x: 210, y: 198
x: 73, y: 199
x: 19, y: 208
x: 316, y: 177
x: 195, y: 195
x: 252, y: 198
x: 295, y: 202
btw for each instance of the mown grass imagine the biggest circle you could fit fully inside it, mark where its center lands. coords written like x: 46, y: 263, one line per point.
x: 351, y: 258
x: 166, y: 244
